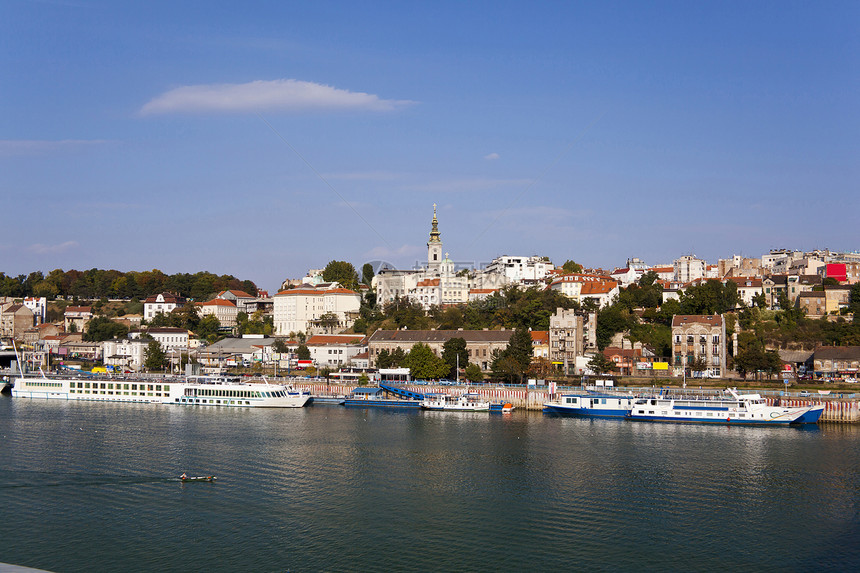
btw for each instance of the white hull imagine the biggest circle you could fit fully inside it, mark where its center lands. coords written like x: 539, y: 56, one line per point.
x: 165, y: 391
x: 733, y: 408
x: 464, y: 403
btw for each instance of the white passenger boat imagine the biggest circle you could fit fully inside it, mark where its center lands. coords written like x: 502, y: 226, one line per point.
x: 231, y: 391
x: 468, y: 402
x: 727, y: 408
x: 193, y: 391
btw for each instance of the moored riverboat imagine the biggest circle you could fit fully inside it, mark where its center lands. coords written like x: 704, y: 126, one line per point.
x: 730, y: 407
x: 591, y: 404
x: 196, y: 391
x: 468, y: 402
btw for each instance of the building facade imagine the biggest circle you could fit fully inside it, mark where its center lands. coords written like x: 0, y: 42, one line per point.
x: 480, y: 344
x: 310, y: 310
x: 699, y: 337
x: 572, y: 333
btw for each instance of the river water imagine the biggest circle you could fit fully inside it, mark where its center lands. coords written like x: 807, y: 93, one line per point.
x: 91, y: 487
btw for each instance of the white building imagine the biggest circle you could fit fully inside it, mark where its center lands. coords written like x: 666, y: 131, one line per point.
x: 300, y: 309
x: 125, y: 353
x: 164, y: 302
x: 440, y: 282
x: 39, y: 306
x: 582, y: 287
x: 520, y: 269
x: 171, y: 339
x: 336, y: 350
x: 688, y: 268
x: 224, y: 310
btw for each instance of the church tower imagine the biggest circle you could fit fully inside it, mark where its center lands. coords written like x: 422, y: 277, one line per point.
x: 434, y: 245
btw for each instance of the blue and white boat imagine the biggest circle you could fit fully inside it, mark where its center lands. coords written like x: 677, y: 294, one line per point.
x: 591, y: 404
x: 726, y: 408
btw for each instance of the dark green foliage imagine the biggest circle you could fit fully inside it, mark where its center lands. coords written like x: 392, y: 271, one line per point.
x: 473, y: 373
x: 513, y: 362
x: 452, y: 350
x: 341, y: 272
x: 254, y: 324
x: 710, y: 297
x: 154, y: 356
x: 423, y: 363
x: 303, y: 352
x: 102, y: 328
x: 367, y: 273
x: 98, y: 283
x: 207, y: 328
x: 571, y: 267
x: 600, y: 364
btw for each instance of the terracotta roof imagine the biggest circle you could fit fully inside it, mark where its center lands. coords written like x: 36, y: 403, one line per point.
x: 710, y: 319
x: 237, y: 293
x: 662, y: 269
x: 315, y: 292
x: 440, y: 335
x: 361, y: 356
x: 540, y: 336
x: 482, y: 290
x: 322, y: 339
x: 219, y: 302
x: 79, y: 309
x: 581, y: 278
x: 598, y: 288
x: 428, y: 283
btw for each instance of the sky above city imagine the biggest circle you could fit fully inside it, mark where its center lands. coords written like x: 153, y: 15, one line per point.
x: 263, y: 139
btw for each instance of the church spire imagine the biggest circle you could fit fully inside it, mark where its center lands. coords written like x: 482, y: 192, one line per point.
x: 435, y: 235
x: 434, y: 245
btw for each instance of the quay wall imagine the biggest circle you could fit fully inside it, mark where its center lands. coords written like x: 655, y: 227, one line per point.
x: 836, y: 409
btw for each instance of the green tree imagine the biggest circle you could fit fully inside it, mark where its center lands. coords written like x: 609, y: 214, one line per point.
x: 154, y: 357
x: 102, y: 328
x: 453, y: 350
x: 423, y: 363
x: 600, y: 364
x: 367, y: 273
x: 303, y: 352
x: 207, y: 328
x: 571, y: 267
x: 514, y: 361
x: 473, y: 373
x: 280, y: 346
x: 341, y: 272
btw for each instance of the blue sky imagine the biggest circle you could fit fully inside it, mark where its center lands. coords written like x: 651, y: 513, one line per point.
x: 263, y: 139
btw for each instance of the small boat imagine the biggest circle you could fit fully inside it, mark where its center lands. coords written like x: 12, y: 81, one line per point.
x: 469, y: 402
x: 501, y: 407
x: 184, y: 477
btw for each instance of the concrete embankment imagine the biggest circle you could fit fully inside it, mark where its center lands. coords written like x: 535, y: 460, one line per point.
x: 836, y: 407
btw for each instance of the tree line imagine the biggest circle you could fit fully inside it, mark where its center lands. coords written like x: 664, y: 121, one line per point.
x: 99, y: 283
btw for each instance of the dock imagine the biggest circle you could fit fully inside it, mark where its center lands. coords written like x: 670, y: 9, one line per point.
x: 839, y: 407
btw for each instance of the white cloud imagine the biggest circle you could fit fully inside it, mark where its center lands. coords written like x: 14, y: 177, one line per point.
x: 491, y: 156
x: 41, y: 249
x: 32, y: 146
x: 261, y: 95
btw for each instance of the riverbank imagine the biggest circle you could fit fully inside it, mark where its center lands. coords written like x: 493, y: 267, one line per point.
x: 839, y: 407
